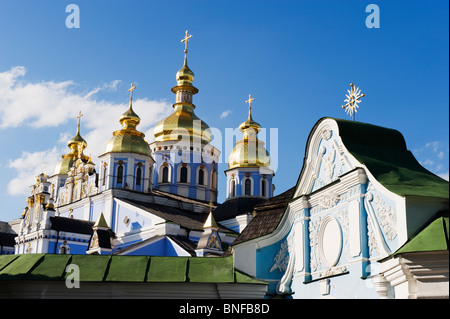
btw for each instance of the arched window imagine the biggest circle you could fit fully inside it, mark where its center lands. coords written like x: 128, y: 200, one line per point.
x: 138, y: 175
x: 183, y: 174
x: 120, y: 174
x: 201, y: 176
x: 214, y: 180
x: 165, y: 175
x: 232, y: 188
x: 263, y: 188
x: 248, y: 187
x: 104, y: 175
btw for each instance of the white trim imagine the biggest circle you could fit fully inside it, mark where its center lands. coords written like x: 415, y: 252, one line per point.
x: 188, y: 178
x: 160, y: 173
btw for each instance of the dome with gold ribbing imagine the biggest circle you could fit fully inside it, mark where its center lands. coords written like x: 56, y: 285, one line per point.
x: 249, y: 152
x: 128, y: 139
x: 183, y: 124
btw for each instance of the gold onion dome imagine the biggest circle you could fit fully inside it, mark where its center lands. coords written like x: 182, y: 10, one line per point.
x: 77, y: 145
x: 249, y: 152
x: 128, y: 139
x: 183, y: 124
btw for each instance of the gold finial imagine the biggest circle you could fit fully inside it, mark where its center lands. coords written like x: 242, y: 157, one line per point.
x: 185, y: 40
x: 79, y: 119
x: 353, y: 98
x: 131, y: 89
x: 249, y: 101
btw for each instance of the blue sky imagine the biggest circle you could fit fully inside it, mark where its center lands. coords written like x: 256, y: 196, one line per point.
x: 296, y: 58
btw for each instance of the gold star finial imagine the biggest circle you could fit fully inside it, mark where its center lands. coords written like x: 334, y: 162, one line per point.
x: 353, y: 98
x: 131, y: 89
x: 185, y: 40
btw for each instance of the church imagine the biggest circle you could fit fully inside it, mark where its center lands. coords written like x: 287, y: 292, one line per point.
x: 365, y: 219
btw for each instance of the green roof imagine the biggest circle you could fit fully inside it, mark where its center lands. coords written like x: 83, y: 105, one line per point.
x: 433, y: 237
x: 383, y: 151
x: 111, y: 268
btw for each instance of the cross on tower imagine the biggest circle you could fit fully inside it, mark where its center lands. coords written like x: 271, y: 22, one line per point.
x: 131, y: 89
x: 79, y: 118
x: 249, y: 101
x: 185, y: 40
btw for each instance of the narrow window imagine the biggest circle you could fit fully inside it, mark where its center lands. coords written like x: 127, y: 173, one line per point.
x: 248, y: 187
x: 104, y: 175
x: 183, y: 174
x: 263, y: 188
x: 120, y: 174
x: 201, y: 177
x: 214, y: 180
x: 165, y: 175
x: 138, y: 175
x: 233, y: 188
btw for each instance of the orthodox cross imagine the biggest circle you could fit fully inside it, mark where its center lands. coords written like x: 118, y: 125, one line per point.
x: 249, y: 101
x: 131, y: 89
x: 353, y: 98
x: 185, y: 40
x: 79, y: 118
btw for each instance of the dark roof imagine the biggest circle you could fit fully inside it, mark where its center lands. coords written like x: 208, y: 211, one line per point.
x: 72, y: 225
x: 188, y: 220
x: 385, y: 154
x: 180, y: 198
x: 235, y: 207
x: 7, y: 239
x: 267, y: 218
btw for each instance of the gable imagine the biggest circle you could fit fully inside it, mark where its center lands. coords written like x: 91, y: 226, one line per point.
x: 336, y: 146
x: 326, y: 158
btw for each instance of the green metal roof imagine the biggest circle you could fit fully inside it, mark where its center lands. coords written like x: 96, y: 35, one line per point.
x: 383, y: 151
x: 433, y: 237
x: 111, y: 268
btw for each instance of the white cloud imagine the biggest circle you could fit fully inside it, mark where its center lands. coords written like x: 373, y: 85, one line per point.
x: 433, y: 156
x: 224, y: 114
x: 51, y: 104
x: 444, y: 176
x: 27, y: 166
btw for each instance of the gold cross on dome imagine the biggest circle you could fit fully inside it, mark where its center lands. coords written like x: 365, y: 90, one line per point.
x: 249, y: 101
x: 185, y: 40
x: 131, y: 89
x: 79, y: 118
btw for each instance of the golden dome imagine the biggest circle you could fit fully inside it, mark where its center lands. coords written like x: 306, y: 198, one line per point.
x: 249, y: 152
x: 185, y: 76
x: 124, y: 142
x: 77, y: 145
x: 183, y: 124
x: 128, y: 139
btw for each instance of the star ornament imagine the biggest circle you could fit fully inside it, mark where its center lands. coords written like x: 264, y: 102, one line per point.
x: 353, y: 99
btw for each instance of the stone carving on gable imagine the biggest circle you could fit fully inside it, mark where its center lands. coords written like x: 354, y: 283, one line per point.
x: 381, y: 222
x: 281, y: 259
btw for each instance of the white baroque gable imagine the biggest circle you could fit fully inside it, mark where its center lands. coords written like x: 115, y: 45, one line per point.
x: 326, y: 158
